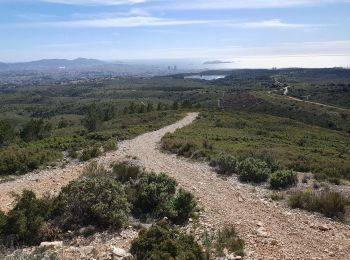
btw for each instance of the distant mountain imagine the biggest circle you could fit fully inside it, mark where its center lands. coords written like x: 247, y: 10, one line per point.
x: 53, y: 64
x: 214, y: 62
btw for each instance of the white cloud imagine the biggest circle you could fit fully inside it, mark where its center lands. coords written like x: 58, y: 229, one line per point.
x: 240, y: 4
x: 274, y: 23
x: 94, y: 2
x: 111, y: 20
x: 121, y: 22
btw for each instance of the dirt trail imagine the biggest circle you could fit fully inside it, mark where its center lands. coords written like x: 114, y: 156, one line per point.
x: 316, y: 103
x: 270, y: 231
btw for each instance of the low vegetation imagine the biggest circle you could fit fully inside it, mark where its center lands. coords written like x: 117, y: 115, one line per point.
x: 329, y: 203
x: 100, y: 198
x: 228, y: 239
x: 280, y: 142
x: 253, y: 170
x: 162, y: 241
x: 283, y: 179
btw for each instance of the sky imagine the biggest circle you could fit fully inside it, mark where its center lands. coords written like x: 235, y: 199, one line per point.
x: 243, y: 33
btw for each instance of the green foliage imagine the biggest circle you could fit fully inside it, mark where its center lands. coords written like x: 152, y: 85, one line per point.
x: 92, y: 120
x: 94, y: 169
x: 162, y: 241
x: 90, y: 153
x: 99, y: 201
x: 35, y: 130
x: 154, y: 195
x: 3, y: 220
x: 283, y: 179
x: 110, y: 145
x: 151, y: 195
x: 268, y: 138
x: 63, y: 123
x: 183, y: 207
x: 229, y: 239
x: 329, y: 203
x: 227, y: 164
x: 253, y: 170
x: 24, y: 222
x: 16, y: 160
x: 7, y: 133
x: 124, y: 171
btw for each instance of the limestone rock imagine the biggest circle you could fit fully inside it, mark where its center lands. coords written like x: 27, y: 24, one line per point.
x: 54, y: 244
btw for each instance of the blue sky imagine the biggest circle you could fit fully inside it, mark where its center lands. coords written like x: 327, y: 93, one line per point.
x: 250, y: 33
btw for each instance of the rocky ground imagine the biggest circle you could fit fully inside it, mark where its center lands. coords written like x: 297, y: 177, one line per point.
x: 271, y: 230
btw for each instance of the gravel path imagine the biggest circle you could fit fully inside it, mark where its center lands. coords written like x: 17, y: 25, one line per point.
x: 270, y: 230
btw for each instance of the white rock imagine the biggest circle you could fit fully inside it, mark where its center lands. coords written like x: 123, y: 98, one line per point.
x: 54, y: 244
x: 120, y: 252
x: 261, y: 232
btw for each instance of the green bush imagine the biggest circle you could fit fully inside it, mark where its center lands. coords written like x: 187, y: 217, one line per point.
x: 94, y: 169
x: 90, y: 153
x: 110, y: 145
x: 283, y: 179
x: 35, y: 130
x: 253, y: 170
x: 162, y: 241
x: 7, y: 133
x: 24, y: 222
x: 99, y: 201
x: 329, y: 203
x: 151, y: 195
x: 17, y: 160
x: 186, y: 149
x: 229, y: 239
x: 3, y: 220
x: 227, y: 164
x: 183, y: 207
x: 125, y: 171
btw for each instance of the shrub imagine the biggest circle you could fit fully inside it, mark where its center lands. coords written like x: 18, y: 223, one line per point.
x: 277, y: 196
x: 110, y: 145
x: 283, y: 179
x: 125, y: 171
x: 90, y: 153
x: 95, y: 170
x: 23, y: 223
x: 184, y: 205
x: 162, y: 241
x: 329, y: 203
x: 229, y: 239
x: 99, y: 201
x: 253, y: 170
x: 16, y: 160
x: 334, y: 180
x: 92, y: 120
x: 152, y: 194
x: 227, y: 164
x: 3, y: 220
x: 186, y: 149
x: 35, y: 130
x: 72, y: 153
x: 7, y: 133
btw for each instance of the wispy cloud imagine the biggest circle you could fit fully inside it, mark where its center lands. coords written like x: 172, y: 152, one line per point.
x: 111, y: 21
x: 240, y: 4
x: 95, y: 2
x: 273, y: 23
x: 122, y: 22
